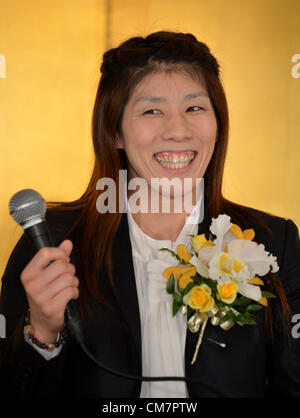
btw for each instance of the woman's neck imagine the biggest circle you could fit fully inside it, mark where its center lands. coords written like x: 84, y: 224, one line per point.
x: 163, y: 217
x: 161, y: 226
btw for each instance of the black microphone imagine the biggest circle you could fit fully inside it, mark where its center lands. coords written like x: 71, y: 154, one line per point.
x: 28, y: 209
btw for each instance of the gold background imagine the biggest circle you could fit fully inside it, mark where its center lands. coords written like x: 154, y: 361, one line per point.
x: 52, y: 53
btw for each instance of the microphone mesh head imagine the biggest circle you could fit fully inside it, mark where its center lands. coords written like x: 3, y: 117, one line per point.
x: 27, y: 205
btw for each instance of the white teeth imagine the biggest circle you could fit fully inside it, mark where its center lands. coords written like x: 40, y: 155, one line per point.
x: 175, y: 161
x: 174, y: 165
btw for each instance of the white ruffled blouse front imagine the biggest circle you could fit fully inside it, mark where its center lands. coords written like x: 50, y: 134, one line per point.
x: 163, y: 336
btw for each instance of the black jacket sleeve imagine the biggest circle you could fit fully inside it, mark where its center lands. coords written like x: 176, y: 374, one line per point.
x: 22, y: 368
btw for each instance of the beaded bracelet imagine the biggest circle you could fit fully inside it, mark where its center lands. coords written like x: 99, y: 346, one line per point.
x: 28, y: 330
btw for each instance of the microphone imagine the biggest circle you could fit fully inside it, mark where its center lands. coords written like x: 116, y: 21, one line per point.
x: 28, y: 209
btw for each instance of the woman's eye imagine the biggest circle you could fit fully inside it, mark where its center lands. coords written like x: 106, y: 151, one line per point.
x: 152, y: 112
x: 195, y: 108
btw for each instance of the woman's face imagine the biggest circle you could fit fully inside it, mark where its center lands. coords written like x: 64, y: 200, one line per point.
x: 168, y: 128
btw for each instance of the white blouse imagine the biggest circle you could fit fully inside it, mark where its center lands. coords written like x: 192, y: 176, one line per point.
x: 163, y: 336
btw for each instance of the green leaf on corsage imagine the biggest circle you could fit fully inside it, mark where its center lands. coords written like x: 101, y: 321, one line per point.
x: 253, y: 307
x: 268, y: 294
x: 246, y: 319
x: 171, y: 284
x: 177, y: 303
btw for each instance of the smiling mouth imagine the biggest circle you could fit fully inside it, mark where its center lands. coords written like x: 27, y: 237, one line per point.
x: 175, y: 159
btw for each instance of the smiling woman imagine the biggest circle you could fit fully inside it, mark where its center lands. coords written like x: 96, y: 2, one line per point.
x: 168, y: 130
x: 170, y: 133
x: 160, y: 113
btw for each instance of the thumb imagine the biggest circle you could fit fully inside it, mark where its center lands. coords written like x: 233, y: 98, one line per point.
x: 66, y: 246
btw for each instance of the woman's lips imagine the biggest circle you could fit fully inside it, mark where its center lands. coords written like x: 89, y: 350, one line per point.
x: 175, y: 160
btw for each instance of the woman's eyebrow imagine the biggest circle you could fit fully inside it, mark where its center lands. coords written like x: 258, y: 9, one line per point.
x: 194, y: 95
x: 157, y: 99
x: 152, y: 99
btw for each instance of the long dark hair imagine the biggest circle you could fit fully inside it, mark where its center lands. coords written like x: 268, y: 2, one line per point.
x: 122, y: 69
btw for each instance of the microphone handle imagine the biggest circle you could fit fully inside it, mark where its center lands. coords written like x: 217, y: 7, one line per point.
x: 40, y: 237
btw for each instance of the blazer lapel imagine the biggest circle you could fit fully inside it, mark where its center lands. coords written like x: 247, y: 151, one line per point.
x: 125, y: 287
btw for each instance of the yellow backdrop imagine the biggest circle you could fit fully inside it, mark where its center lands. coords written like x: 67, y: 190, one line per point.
x: 49, y: 68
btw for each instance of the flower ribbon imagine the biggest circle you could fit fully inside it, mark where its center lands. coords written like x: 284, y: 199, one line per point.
x: 215, y: 314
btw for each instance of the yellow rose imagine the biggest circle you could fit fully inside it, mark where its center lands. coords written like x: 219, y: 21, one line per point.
x: 227, y: 292
x: 199, y: 241
x: 199, y: 297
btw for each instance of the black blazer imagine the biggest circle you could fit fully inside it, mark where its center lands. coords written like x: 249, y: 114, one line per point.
x: 248, y: 367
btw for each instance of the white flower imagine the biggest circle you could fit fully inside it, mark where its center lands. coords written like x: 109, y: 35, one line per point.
x: 201, y: 268
x: 226, y: 266
x: 223, y: 267
x: 254, y: 255
x: 249, y: 290
x: 205, y: 254
x: 243, y: 260
x: 219, y: 227
x: 232, y: 258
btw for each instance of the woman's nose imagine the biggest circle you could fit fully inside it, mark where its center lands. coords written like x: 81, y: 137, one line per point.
x: 176, y: 127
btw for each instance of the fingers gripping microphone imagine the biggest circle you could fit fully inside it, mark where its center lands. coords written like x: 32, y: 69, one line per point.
x: 28, y: 209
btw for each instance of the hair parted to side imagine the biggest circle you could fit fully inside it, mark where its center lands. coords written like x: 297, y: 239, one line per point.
x: 122, y: 69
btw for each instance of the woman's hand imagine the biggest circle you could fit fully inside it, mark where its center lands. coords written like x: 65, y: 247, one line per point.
x: 49, y: 288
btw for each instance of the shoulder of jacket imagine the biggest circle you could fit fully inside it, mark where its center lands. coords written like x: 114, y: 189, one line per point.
x: 283, y: 233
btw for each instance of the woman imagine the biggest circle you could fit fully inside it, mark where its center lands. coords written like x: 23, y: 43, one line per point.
x: 160, y: 111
